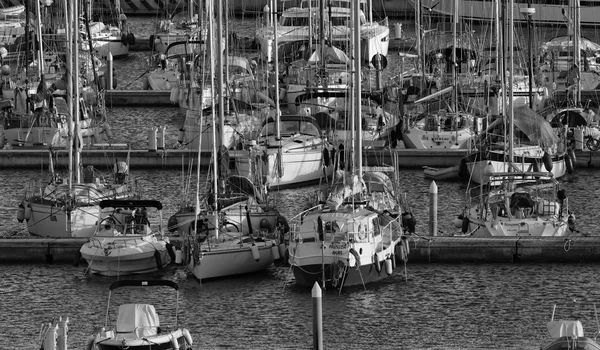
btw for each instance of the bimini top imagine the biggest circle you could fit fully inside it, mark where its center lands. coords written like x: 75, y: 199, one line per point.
x: 123, y: 203
x: 148, y: 283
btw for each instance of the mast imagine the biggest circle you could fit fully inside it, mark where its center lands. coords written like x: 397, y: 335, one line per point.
x: 213, y: 37
x: 39, y: 37
x: 276, y: 68
x: 511, y: 82
x: 77, y: 133
x: 357, y: 91
x: 577, y: 48
x: 69, y: 83
x: 454, y: 64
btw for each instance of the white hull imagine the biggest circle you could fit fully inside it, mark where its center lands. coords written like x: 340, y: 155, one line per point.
x: 227, y: 259
x: 104, y: 45
x: 116, y: 256
x: 415, y: 138
x: 50, y: 136
x: 297, y: 167
x: 516, y: 227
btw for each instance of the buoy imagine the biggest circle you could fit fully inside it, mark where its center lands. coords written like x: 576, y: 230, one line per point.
x: 172, y: 223
x: 275, y: 252
x: 76, y: 258
x: 351, y: 260
x: 28, y: 212
x: 171, y: 251
x: 21, y: 212
x: 131, y: 39
x: 377, y: 263
x: 458, y: 222
x: 187, y: 337
x: 158, y: 259
x: 388, y: 266
x: 178, y: 257
x: 89, y: 343
x: 255, y: 253
x: 547, y: 161
x: 569, y: 163
x: 465, y: 224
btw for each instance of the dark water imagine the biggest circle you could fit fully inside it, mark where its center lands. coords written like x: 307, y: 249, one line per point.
x: 460, y: 306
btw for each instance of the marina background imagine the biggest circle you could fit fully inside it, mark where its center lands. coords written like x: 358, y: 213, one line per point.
x: 441, y: 306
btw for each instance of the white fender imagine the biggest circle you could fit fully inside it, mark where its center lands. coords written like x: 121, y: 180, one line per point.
x: 388, y: 266
x: 255, y: 253
x: 174, y: 343
x: 281, y: 249
x: 187, y: 337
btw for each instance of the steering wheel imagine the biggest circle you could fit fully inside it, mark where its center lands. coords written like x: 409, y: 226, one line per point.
x: 109, y: 221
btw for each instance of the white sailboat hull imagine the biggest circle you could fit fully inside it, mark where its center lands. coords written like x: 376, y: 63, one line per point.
x: 227, y: 259
x: 48, y: 220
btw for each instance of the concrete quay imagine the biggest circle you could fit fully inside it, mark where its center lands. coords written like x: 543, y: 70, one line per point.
x: 427, y: 249
x: 504, y: 249
x: 173, y: 158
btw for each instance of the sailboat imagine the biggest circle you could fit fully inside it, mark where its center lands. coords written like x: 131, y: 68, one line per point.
x: 505, y: 206
x: 69, y: 207
x: 225, y: 238
x: 356, y: 236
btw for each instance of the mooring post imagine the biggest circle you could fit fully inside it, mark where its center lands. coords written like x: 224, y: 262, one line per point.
x: 433, y: 208
x: 317, y: 317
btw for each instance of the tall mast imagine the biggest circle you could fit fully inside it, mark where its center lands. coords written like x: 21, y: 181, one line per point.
x: 577, y: 48
x: 357, y: 89
x: 40, y: 41
x: 276, y: 68
x: 77, y: 135
x: 454, y: 64
x: 213, y: 36
x: 511, y: 82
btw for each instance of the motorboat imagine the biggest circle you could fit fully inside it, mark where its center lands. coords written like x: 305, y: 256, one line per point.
x: 295, y: 154
x: 568, y: 334
x: 126, y: 240
x: 138, y: 326
x: 299, y: 22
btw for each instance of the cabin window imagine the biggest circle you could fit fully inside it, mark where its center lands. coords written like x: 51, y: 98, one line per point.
x: 376, y: 228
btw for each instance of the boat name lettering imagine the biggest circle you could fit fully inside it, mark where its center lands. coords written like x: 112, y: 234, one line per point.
x: 336, y: 252
x: 338, y: 245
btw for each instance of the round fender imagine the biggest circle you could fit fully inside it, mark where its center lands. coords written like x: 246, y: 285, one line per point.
x: 171, y: 252
x: 548, y: 161
x: 326, y: 159
x: 571, y: 153
x: 124, y: 39
x: 187, y: 337
x: 131, y: 39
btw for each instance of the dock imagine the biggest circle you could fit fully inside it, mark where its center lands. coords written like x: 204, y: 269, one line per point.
x: 132, y: 98
x: 174, y: 158
x: 427, y: 249
x: 99, y: 155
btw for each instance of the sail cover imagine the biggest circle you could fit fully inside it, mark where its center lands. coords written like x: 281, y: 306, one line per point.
x: 537, y: 129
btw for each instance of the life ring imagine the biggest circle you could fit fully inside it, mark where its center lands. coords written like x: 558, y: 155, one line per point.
x: 377, y: 263
x: 465, y: 224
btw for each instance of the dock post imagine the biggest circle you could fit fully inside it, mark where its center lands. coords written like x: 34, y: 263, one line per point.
x: 160, y: 142
x: 152, y: 139
x: 433, y: 208
x: 50, y: 337
x: 109, y: 71
x: 317, y: 317
x: 62, y: 333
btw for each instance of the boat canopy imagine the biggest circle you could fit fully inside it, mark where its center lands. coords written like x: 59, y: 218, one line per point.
x: 245, y: 185
x: 537, y: 129
x: 144, y: 283
x: 565, y: 328
x: 123, y: 203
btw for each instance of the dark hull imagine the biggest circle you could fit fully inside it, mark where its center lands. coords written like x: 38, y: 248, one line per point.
x: 569, y: 343
x: 338, y: 277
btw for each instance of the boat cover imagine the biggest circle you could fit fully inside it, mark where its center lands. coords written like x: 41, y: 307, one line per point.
x: 140, y: 319
x: 565, y: 328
